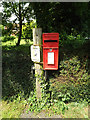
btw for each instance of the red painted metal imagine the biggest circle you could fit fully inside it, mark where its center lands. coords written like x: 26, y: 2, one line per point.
x: 50, y: 45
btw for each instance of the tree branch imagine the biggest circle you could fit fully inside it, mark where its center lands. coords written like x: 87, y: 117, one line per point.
x: 13, y: 7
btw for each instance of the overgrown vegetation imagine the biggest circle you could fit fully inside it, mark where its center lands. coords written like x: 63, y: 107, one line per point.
x: 74, y: 70
x: 17, y: 81
x: 8, y: 38
x: 75, y: 80
x: 72, y: 84
x: 16, y: 72
x: 27, y: 29
x: 67, y: 89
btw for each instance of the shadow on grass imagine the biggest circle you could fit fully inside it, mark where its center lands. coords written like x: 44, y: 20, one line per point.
x: 16, y: 75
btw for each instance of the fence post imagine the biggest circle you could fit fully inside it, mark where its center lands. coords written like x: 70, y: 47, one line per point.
x: 37, y: 33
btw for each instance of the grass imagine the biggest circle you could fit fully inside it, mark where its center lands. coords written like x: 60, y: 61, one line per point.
x: 13, y: 42
x: 12, y: 109
x: 76, y: 110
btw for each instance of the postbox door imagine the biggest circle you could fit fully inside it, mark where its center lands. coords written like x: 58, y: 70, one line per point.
x: 50, y: 58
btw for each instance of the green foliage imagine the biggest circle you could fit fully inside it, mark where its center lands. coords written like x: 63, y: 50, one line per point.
x: 74, y: 89
x: 1, y: 27
x: 63, y: 97
x: 72, y: 41
x: 62, y: 17
x: 8, y: 38
x: 8, y: 30
x: 27, y: 30
x: 60, y: 107
x: 51, y: 17
x: 18, y: 82
x: 46, y: 102
x: 13, y: 8
x: 37, y: 105
x: 21, y: 10
x: 77, y: 79
x: 34, y: 103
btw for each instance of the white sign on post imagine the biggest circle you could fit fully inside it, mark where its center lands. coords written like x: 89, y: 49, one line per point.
x: 35, y: 53
x: 50, y: 57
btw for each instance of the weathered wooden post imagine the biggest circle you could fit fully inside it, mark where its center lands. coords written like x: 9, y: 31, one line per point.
x: 37, y: 33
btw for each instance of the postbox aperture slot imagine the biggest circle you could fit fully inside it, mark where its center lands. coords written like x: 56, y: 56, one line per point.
x: 50, y: 40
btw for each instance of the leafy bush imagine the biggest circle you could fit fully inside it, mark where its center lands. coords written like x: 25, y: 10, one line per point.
x: 46, y: 101
x: 74, y: 40
x: 27, y: 30
x: 37, y: 105
x: 77, y: 79
x: 7, y: 31
x: 8, y: 38
x: 16, y: 75
x: 74, y: 81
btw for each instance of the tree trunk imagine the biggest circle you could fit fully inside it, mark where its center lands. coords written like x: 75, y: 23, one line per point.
x: 20, y: 26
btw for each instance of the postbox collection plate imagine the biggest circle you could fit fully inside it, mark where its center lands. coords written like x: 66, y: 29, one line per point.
x: 35, y: 53
x: 50, y: 57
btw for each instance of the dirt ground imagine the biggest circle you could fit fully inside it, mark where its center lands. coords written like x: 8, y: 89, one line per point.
x: 42, y: 114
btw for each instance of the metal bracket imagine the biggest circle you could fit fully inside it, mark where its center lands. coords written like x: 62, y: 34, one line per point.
x: 39, y: 62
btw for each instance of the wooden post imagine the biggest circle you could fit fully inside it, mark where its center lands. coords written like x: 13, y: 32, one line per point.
x: 37, y: 33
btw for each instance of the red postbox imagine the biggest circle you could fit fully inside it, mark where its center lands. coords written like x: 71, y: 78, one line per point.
x: 50, y: 51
